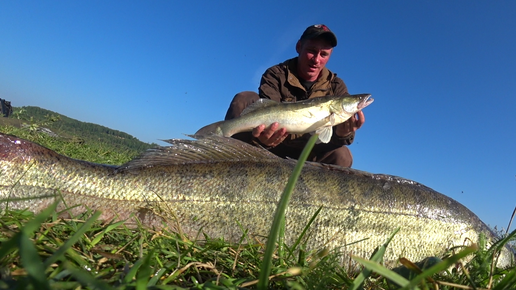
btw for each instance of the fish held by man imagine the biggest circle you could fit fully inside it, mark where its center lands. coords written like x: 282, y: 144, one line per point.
x: 213, y: 185
x: 316, y: 115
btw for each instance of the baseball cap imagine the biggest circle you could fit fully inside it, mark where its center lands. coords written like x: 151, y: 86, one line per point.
x: 317, y: 30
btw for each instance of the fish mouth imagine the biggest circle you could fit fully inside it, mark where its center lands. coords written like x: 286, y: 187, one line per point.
x: 365, y: 100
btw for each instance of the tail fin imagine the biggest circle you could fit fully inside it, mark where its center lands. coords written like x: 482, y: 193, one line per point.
x: 212, y: 129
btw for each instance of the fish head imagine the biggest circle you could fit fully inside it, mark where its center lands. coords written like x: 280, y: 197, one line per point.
x: 354, y: 103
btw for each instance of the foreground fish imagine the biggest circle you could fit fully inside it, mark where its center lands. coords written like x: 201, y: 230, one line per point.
x: 215, y: 184
x: 313, y: 115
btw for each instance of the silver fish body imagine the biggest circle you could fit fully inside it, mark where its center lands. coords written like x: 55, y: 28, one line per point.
x: 215, y: 184
x: 317, y: 115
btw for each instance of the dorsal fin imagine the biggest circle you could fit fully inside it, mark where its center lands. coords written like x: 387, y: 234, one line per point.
x: 259, y: 104
x: 206, y: 149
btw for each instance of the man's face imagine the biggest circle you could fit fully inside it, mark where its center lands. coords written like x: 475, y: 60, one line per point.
x: 313, y: 56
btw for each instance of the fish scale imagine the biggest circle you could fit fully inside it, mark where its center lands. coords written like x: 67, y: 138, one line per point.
x: 209, y: 186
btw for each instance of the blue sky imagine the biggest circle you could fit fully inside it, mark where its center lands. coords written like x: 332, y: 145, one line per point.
x: 443, y: 75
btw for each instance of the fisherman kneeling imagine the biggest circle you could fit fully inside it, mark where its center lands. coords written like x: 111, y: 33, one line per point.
x: 296, y: 79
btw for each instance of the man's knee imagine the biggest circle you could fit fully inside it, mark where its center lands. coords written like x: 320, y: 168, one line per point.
x: 343, y: 157
x: 340, y: 156
x: 240, y: 102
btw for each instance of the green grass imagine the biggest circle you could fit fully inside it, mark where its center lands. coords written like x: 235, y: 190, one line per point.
x: 74, y: 147
x: 44, y: 251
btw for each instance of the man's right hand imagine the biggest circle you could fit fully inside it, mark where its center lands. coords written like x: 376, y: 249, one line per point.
x: 271, y: 136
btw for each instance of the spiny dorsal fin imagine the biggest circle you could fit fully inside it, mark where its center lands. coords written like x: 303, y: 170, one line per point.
x: 259, y: 104
x: 207, y: 149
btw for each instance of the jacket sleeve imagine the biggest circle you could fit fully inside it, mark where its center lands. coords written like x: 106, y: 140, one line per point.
x: 270, y: 84
x: 340, y: 89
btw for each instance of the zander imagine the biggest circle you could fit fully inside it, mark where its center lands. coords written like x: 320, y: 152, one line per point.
x: 221, y: 186
x: 317, y: 115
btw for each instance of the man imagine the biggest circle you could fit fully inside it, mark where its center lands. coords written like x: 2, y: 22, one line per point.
x: 301, y: 78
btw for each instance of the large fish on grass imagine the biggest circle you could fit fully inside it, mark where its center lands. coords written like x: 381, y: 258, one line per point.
x: 222, y: 186
x: 317, y: 115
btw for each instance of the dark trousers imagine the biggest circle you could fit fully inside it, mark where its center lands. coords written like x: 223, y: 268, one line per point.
x: 325, y: 153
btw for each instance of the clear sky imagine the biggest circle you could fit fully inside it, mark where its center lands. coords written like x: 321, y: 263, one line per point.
x: 443, y: 75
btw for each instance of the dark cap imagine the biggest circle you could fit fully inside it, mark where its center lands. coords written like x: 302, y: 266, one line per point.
x: 319, y: 30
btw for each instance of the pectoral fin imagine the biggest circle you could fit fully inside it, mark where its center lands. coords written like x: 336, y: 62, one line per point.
x: 325, y: 133
x: 332, y: 121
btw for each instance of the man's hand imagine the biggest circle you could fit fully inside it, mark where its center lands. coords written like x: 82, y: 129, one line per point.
x: 271, y: 136
x: 351, y: 125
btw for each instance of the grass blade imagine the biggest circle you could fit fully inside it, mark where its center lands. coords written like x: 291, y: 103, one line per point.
x: 33, y: 225
x: 32, y: 262
x: 109, y: 228
x: 441, y: 266
x: 305, y: 229
x: 280, y: 214
x: 86, y: 278
x: 72, y: 240
x: 376, y: 267
x: 376, y: 257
